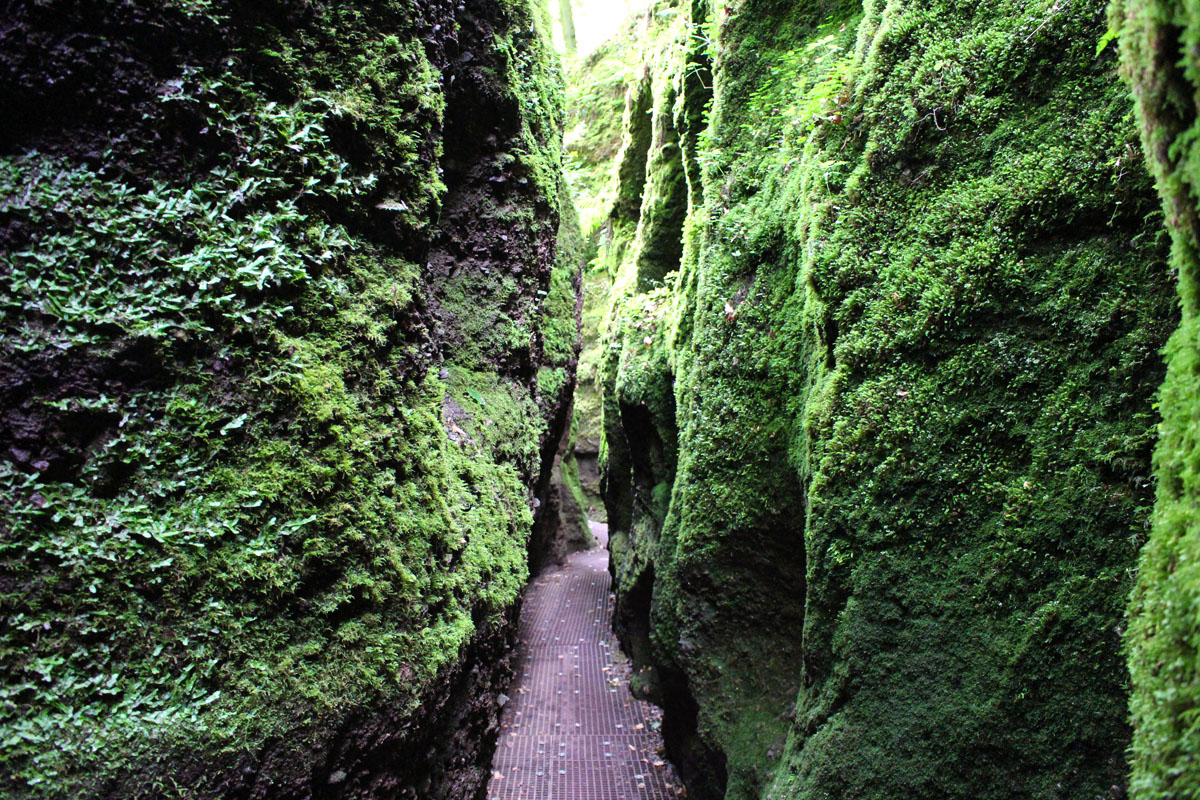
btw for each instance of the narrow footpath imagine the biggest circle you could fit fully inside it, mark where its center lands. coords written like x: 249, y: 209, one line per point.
x: 572, y: 730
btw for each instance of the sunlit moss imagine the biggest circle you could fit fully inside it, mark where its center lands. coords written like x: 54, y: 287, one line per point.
x: 1157, y: 41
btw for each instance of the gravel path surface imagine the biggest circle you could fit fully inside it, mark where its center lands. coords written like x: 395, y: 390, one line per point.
x: 572, y: 730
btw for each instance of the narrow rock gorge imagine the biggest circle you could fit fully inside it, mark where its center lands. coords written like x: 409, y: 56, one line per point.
x: 867, y: 326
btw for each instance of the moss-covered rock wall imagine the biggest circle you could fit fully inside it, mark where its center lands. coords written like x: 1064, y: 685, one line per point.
x: 878, y: 447
x: 289, y: 324
x: 1159, y: 51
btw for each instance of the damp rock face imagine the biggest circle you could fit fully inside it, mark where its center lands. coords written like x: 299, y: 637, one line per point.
x: 289, y: 326
x: 878, y: 409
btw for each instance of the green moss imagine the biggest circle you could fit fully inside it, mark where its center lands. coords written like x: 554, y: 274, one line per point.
x: 606, y: 161
x: 659, y: 244
x: 1157, y: 42
x: 912, y: 347
x: 596, y: 98
x: 294, y: 522
x: 576, y: 533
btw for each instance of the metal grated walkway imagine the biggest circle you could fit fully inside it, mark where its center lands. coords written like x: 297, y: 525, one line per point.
x: 572, y: 730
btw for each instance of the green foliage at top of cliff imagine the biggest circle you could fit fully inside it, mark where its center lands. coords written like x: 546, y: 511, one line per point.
x: 1158, y: 44
x: 251, y: 505
x: 913, y: 341
x: 595, y: 105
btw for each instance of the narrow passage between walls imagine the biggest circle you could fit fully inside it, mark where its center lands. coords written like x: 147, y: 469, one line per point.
x: 572, y: 730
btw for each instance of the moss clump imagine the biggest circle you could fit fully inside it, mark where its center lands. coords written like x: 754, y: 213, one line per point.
x: 1157, y: 41
x: 247, y: 500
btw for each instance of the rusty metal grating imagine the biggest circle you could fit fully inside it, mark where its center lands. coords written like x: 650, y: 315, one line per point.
x: 572, y: 730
